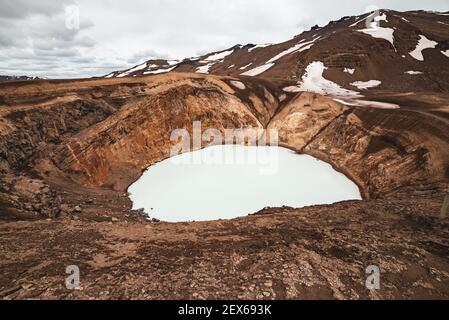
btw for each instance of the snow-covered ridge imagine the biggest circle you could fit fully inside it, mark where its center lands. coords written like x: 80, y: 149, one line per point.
x: 219, y: 56
x: 300, y: 47
x: 388, y: 25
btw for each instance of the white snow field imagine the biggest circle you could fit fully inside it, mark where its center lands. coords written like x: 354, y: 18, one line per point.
x: 380, y: 33
x: 423, y: 44
x: 313, y: 81
x: 204, y: 69
x: 258, y: 70
x: 231, y: 181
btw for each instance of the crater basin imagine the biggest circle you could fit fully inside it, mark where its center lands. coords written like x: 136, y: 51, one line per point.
x: 229, y: 181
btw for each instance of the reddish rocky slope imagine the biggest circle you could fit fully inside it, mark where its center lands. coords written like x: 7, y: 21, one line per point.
x: 70, y: 148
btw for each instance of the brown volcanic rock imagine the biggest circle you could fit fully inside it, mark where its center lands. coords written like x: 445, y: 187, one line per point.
x: 138, y: 135
x: 381, y: 150
x: 397, y: 156
x: 312, y: 253
x: 70, y: 148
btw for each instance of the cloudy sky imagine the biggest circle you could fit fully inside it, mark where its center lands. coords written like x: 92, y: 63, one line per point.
x: 45, y: 37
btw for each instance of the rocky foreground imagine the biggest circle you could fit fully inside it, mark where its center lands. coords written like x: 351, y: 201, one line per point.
x: 70, y: 149
x: 311, y: 253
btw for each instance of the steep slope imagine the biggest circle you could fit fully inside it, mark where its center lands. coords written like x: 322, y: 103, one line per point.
x: 400, y: 51
x: 69, y: 149
x: 103, y: 133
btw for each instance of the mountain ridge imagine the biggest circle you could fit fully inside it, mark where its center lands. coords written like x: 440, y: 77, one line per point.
x: 349, y: 51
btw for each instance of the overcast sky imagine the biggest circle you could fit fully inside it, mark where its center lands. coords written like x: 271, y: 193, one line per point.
x: 42, y: 38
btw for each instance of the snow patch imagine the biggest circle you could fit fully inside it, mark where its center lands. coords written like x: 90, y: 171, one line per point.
x: 204, y: 69
x: 135, y: 69
x: 366, y: 103
x: 363, y: 85
x: 446, y: 53
x: 313, y: 81
x: 423, y: 44
x: 219, y: 56
x: 411, y: 72
x: 300, y: 47
x: 259, y: 46
x: 258, y: 70
x: 348, y: 70
x: 238, y: 84
x: 158, y: 71
x: 292, y: 89
x: 244, y: 67
x: 380, y: 33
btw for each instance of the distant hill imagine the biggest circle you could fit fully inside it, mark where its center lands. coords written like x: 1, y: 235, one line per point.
x: 17, y: 78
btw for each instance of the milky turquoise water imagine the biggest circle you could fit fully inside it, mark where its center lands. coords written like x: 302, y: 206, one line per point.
x: 225, y: 182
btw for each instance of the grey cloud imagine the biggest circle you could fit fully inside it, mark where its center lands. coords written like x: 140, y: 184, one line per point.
x: 13, y: 9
